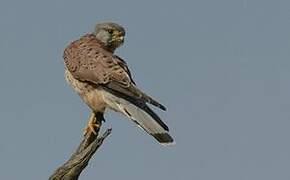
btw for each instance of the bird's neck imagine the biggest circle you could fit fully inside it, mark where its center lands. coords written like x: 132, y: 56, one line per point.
x: 108, y: 47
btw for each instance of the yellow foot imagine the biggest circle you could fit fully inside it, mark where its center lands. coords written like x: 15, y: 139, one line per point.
x: 92, y: 125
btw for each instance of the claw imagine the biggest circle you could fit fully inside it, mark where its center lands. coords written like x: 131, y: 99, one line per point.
x: 92, y: 125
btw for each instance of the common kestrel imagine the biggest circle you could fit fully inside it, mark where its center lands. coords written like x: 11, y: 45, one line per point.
x: 103, y: 81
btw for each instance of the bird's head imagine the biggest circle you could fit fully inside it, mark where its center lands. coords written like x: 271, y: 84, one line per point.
x: 111, y: 34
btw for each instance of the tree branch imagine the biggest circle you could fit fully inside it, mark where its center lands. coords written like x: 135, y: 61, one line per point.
x: 78, y: 161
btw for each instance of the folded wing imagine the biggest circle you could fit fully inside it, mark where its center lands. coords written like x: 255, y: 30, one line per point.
x: 88, y: 61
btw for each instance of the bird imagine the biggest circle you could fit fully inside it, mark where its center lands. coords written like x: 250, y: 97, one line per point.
x: 103, y: 81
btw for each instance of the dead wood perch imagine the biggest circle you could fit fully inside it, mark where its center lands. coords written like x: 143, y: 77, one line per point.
x: 78, y: 161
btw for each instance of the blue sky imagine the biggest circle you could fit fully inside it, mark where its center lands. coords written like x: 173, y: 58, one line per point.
x: 221, y: 68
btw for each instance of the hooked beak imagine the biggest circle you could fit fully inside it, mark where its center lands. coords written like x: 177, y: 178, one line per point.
x: 118, y: 37
x: 121, y: 39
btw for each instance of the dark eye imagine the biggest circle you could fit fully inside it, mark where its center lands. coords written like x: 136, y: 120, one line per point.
x: 110, y: 31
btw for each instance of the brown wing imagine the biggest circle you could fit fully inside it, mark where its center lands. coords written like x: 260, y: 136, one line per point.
x: 123, y: 64
x: 88, y: 61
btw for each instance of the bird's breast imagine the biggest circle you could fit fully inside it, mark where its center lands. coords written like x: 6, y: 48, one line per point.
x: 91, y: 95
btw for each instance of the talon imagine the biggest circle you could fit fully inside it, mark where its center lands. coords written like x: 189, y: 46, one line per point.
x: 92, y: 125
x: 91, y: 128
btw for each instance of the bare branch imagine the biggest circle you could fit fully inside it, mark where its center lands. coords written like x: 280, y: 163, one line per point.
x: 78, y: 161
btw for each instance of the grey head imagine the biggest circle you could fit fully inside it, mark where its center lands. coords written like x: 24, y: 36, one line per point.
x: 111, y: 34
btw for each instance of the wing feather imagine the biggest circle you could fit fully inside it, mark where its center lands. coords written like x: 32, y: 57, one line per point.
x: 88, y: 61
x: 140, y: 104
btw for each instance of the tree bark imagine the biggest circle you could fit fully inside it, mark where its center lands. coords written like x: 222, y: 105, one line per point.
x: 78, y: 161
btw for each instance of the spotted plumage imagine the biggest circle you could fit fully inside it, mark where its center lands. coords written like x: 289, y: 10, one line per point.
x: 103, y: 80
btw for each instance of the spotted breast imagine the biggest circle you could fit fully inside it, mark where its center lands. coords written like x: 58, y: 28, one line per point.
x: 90, y: 94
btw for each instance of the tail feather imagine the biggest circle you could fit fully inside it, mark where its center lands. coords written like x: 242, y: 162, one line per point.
x: 142, y: 115
x: 164, y: 138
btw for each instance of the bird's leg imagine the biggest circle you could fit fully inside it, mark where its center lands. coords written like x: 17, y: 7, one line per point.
x: 94, y: 123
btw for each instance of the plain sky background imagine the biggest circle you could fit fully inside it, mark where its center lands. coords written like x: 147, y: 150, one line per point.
x: 220, y: 66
